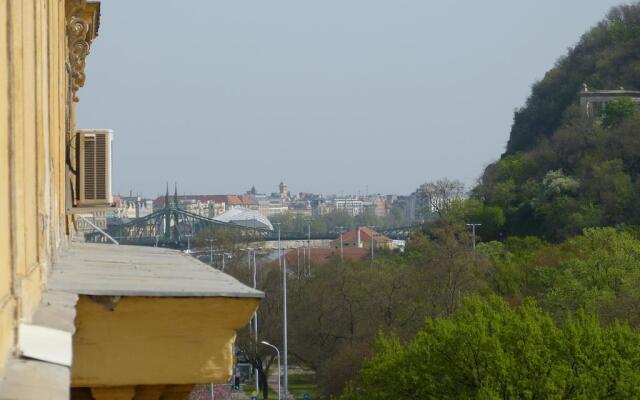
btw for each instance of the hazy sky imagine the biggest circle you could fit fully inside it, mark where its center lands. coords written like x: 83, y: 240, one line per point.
x: 330, y: 96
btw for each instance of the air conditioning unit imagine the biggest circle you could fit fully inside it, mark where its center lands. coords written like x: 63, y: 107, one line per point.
x: 94, y: 167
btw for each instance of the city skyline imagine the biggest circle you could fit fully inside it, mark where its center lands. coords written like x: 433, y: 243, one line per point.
x: 132, y: 192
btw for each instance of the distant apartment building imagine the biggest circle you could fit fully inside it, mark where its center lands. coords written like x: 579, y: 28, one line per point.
x: 410, y: 205
x: 210, y: 205
x: 376, y: 205
x: 269, y: 206
x: 350, y: 205
x: 204, y: 208
x: 321, y: 206
x: 300, y: 207
x: 130, y: 207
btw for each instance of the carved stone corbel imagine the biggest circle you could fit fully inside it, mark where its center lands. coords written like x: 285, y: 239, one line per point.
x: 82, y: 28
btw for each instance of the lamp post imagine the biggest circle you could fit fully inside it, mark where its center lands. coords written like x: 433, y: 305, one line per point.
x: 278, y: 355
x: 255, y: 313
x: 188, y: 236
x: 223, y: 257
x: 285, y: 378
x: 473, y: 228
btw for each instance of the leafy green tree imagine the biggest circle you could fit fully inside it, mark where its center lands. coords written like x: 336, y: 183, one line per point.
x: 488, y: 350
x: 618, y: 110
x: 438, y: 197
x: 599, y: 273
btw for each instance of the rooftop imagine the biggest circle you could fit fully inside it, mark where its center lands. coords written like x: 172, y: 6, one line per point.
x: 110, y: 270
x: 245, y: 217
x: 366, y: 234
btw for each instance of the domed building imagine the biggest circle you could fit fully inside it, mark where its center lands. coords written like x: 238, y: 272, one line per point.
x: 245, y: 217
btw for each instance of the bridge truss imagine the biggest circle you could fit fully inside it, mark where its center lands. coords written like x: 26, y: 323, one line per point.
x: 173, y: 227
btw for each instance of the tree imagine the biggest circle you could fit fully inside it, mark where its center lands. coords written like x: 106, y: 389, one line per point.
x: 617, y: 111
x: 336, y: 313
x: 489, y: 350
x: 438, y: 197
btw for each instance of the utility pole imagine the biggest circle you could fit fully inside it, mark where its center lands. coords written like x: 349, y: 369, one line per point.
x: 372, y: 242
x: 211, y: 250
x: 309, y: 244
x: 255, y: 313
x: 340, y: 230
x: 277, y: 224
x: 473, y: 229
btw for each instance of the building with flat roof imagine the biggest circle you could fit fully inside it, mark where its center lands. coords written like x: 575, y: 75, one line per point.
x: 350, y: 205
x: 592, y: 102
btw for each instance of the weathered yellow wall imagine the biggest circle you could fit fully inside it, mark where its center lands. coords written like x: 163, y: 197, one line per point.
x: 33, y: 85
x: 146, y: 341
x: 7, y: 303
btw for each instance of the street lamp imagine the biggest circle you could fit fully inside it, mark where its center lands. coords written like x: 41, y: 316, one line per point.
x: 224, y: 255
x: 285, y: 378
x: 188, y: 236
x: 279, y: 374
x: 255, y: 314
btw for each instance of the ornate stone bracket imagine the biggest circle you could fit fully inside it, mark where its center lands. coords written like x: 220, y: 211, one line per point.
x: 83, y: 19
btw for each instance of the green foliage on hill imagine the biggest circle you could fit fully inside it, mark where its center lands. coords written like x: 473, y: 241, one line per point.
x: 607, y: 56
x: 561, y: 172
x: 561, y: 322
x: 488, y: 350
x: 586, y: 175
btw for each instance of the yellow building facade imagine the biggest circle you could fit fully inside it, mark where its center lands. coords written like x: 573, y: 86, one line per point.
x: 34, y: 128
x: 148, y: 332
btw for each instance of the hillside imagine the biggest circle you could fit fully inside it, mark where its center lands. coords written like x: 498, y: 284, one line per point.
x: 607, y: 56
x: 562, y: 172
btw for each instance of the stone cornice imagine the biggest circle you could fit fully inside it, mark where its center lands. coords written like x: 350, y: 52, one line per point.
x: 83, y: 20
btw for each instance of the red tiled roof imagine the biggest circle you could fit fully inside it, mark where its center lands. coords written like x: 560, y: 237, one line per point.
x: 321, y: 256
x: 365, y: 236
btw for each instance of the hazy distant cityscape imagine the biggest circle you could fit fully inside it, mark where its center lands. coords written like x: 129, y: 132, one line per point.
x: 406, y: 209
